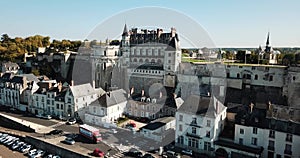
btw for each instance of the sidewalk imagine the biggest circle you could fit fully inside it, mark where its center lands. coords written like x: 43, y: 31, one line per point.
x: 38, y: 128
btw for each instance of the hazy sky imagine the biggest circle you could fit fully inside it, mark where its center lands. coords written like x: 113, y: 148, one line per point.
x: 231, y: 23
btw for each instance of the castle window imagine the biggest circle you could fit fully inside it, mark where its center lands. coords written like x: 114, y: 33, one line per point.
x: 271, y: 78
x: 256, y: 77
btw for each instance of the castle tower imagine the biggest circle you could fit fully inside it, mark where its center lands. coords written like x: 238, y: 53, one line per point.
x: 125, y: 46
x: 172, y: 59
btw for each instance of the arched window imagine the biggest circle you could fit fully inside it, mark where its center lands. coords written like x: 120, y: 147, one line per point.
x: 147, y: 61
x: 152, y: 61
x: 141, y: 60
x: 158, y: 61
x: 256, y: 77
x: 134, y: 60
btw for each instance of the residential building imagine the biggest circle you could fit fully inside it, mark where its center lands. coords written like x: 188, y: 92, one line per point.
x: 13, y: 90
x: 10, y: 67
x: 160, y: 130
x: 78, y: 97
x: 199, y: 121
x: 105, y: 110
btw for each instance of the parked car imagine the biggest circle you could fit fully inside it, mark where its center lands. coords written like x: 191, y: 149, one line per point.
x: 114, y: 130
x: 134, y: 153
x: 12, y: 141
x: 16, y: 146
x: 55, y: 132
x: 187, y: 152
x: 38, y: 153
x: 26, y: 148
x: 71, y: 121
x: 46, y: 117
x: 98, y: 153
x: 20, y: 148
x: 69, y: 140
x: 148, y: 156
x: 32, y: 152
x: 172, y: 154
x: 39, y: 115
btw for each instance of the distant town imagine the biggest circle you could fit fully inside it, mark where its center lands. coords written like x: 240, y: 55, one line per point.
x: 145, y: 96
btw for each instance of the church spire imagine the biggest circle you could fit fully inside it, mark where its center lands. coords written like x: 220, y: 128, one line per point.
x: 268, y: 39
x: 125, y: 30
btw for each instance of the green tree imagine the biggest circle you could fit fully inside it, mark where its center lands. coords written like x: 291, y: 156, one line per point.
x: 288, y: 59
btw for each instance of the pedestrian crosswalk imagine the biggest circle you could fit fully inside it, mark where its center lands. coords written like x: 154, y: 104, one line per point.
x: 117, y: 155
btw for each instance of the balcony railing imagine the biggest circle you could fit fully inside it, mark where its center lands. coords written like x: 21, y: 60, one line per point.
x: 288, y: 152
x: 271, y: 148
x: 193, y: 135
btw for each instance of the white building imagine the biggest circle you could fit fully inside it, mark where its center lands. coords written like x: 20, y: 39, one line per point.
x: 278, y: 139
x: 256, y: 75
x: 13, y: 90
x: 199, y: 122
x: 78, y: 97
x: 107, y: 108
x: 104, y: 58
x: 9, y: 67
x: 160, y: 130
x: 261, y: 133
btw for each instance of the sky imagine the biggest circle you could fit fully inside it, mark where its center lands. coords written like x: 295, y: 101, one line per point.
x: 231, y: 23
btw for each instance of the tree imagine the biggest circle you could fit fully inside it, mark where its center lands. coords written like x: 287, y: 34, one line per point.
x: 288, y: 59
x: 5, y: 38
x: 115, y: 42
x: 297, y: 58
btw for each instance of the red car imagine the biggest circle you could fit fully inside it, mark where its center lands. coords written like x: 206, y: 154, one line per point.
x: 98, y: 153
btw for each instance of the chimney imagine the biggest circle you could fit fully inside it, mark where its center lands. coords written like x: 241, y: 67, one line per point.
x: 94, y: 84
x: 173, y: 32
x: 217, y: 107
x: 143, y: 92
x: 251, y: 107
x: 49, y: 85
x: 59, y: 86
x: 269, y: 106
x: 174, y: 95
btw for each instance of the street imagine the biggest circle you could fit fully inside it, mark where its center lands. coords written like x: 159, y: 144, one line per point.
x: 123, y: 140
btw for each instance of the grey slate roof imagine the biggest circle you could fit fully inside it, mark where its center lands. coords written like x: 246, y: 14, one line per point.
x: 153, y: 125
x: 198, y: 105
x: 82, y: 90
x: 110, y: 99
x: 195, y: 105
x: 30, y: 77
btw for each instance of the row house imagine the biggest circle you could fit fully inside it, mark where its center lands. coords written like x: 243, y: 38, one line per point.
x: 199, y: 121
x: 258, y: 132
x: 9, y: 67
x: 152, y: 108
x: 16, y: 90
x: 61, y: 100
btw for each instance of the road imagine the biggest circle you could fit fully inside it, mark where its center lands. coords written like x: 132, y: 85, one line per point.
x: 123, y: 140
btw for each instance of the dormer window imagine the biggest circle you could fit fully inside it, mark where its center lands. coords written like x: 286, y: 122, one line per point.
x: 194, y: 121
